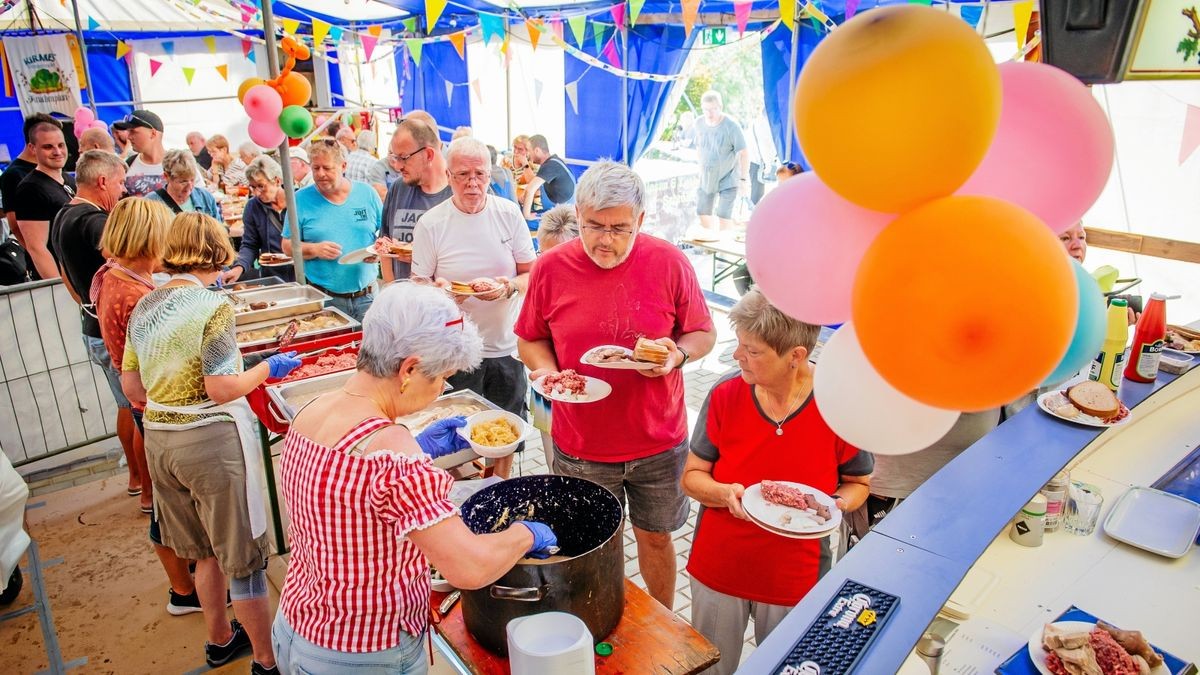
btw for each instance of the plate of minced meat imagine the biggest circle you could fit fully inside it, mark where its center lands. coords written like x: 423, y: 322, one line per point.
x: 612, y: 356
x: 568, y: 386
x: 791, y: 508
x: 1082, y: 646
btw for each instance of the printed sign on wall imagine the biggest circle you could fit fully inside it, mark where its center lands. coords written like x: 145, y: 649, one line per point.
x: 44, y: 73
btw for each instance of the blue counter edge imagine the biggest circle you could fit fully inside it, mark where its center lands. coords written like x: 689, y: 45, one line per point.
x: 924, y: 548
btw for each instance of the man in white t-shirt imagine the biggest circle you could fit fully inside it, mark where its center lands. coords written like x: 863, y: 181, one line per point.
x: 145, y: 173
x: 475, y: 236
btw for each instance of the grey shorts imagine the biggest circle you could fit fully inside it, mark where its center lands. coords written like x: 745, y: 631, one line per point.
x: 98, y: 354
x: 200, y: 496
x: 723, y: 199
x: 656, y: 499
x: 500, y: 380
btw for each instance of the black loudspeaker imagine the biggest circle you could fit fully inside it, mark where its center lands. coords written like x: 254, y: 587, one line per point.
x: 1089, y: 38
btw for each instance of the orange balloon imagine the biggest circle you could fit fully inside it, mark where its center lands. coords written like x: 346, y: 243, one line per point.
x: 245, y: 87
x: 965, y: 303
x: 294, y: 89
x: 897, y: 106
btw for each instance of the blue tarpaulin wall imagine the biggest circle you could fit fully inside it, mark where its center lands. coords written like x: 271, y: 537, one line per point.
x: 424, y: 86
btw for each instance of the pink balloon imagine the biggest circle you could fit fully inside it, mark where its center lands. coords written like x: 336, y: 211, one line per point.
x: 83, y: 116
x: 262, y: 104
x: 1053, y: 149
x: 266, y: 134
x: 98, y: 124
x: 803, y: 245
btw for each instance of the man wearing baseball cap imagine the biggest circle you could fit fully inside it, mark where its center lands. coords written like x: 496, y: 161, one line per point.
x: 145, y: 173
x: 301, y: 169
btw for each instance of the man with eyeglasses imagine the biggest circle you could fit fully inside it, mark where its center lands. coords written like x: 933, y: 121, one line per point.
x: 416, y: 153
x: 336, y: 216
x: 145, y: 166
x: 610, y: 287
x: 474, y: 236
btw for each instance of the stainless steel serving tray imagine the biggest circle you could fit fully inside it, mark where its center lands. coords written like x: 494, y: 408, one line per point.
x: 290, y: 300
x: 252, y: 284
x: 349, y: 325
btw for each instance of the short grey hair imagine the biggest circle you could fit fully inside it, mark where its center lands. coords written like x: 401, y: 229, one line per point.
x: 264, y: 167
x: 558, y: 223
x: 712, y: 96
x: 250, y: 148
x: 366, y: 140
x: 180, y: 164
x: 93, y: 164
x: 408, y: 319
x: 758, y: 317
x: 607, y: 184
x: 470, y: 147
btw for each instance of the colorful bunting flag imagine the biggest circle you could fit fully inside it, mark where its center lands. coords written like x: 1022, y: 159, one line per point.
x: 573, y: 96
x: 579, y: 27
x: 556, y: 28
x: 223, y: 71
x: 1022, y: 12
x: 375, y: 30
x: 531, y: 26
x: 492, y: 25
x: 433, y: 10
x: 290, y: 26
x: 927, y: 3
x: 188, y: 74
x: 154, y: 66
x: 123, y: 49
x: 320, y: 29
x: 787, y: 13
x: 248, y: 14
x: 211, y: 43
x: 1191, y: 133
x: 335, y: 35
x: 477, y: 89
x: 610, y: 52
x: 618, y: 14
x: 247, y: 47
x: 741, y: 13
x: 537, y: 90
x: 691, y: 12
x: 410, y: 24
x: 459, y: 40
x: 851, y: 8
x: 971, y: 15
x: 598, y: 32
x: 635, y: 8
x: 449, y: 92
x: 169, y: 47
x: 414, y: 49
x: 93, y: 24
x: 368, y: 44
x: 252, y: 56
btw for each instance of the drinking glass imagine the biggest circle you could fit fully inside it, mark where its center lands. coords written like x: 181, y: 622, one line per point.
x: 1083, y: 508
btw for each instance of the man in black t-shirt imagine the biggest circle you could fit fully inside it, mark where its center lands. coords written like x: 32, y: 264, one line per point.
x: 14, y: 174
x: 43, y: 192
x: 553, y: 178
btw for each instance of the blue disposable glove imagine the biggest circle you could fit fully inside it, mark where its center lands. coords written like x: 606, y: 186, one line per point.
x: 282, y: 364
x: 441, y: 438
x: 543, y: 539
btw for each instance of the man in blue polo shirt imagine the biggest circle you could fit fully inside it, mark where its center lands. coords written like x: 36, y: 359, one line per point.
x: 336, y: 216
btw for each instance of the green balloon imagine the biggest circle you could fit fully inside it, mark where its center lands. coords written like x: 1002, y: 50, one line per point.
x: 296, y: 121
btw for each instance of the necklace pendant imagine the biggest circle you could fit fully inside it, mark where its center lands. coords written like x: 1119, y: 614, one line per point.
x: 778, y: 431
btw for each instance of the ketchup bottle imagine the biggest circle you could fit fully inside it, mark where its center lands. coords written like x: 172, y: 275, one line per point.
x: 1148, y: 341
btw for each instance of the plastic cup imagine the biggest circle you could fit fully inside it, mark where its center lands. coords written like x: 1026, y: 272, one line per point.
x: 1083, y: 508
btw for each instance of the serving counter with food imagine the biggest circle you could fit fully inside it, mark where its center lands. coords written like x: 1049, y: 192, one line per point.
x: 978, y: 579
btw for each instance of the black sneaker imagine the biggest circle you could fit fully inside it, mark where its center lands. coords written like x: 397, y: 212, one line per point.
x: 13, y: 588
x: 178, y: 605
x: 218, y: 655
x: 257, y: 668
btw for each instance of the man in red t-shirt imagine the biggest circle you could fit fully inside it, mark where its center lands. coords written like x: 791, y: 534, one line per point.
x: 601, y: 289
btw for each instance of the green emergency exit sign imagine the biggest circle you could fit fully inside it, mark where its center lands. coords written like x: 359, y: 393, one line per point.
x: 713, y: 36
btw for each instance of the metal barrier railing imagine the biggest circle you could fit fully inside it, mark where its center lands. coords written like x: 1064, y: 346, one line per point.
x: 53, y: 398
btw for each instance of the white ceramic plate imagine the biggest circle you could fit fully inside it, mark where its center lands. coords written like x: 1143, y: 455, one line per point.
x: 1154, y: 520
x: 361, y: 255
x: 1082, y: 418
x: 791, y: 535
x: 472, y: 294
x: 776, y: 517
x: 1038, y: 655
x: 616, y: 365
x: 281, y: 263
x: 593, y: 390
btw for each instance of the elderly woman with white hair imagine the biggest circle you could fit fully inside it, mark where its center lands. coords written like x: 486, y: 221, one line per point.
x: 369, y: 511
x: 262, y: 221
x: 180, y: 193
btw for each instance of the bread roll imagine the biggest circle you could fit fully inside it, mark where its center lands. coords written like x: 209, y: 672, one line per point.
x: 650, y: 352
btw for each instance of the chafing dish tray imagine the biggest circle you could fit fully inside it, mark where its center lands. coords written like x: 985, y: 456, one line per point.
x: 265, y: 333
x: 250, y: 285
x: 273, y: 302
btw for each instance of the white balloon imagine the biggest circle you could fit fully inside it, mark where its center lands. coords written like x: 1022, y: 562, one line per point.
x: 867, y: 412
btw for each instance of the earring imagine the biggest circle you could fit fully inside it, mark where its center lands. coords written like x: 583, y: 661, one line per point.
x: 404, y: 385
x: 793, y: 366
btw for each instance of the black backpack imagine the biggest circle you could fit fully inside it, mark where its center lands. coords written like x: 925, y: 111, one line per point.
x: 13, y: 267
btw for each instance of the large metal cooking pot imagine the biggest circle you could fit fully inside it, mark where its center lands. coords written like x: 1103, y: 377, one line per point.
x: 586, y: 578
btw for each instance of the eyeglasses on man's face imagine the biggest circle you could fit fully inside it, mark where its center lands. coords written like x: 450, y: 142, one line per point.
x: 401, y: 159
x: 478, y: 176
x: 616, y: 231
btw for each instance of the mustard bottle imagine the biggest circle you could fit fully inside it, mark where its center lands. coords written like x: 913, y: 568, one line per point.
x: 1107, y: 366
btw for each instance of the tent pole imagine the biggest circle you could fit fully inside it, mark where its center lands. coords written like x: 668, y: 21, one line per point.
x: 285, y: 164
x: 625, y: 97
x: 508, y: 132
x: 87, y: 78
x: 787, y: 138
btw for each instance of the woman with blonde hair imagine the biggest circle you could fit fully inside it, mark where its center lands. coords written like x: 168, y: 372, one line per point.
x: 181, y: 359
x: 180, y: 192
x: 134, y: 238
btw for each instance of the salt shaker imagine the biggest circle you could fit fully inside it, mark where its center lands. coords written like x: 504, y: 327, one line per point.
x: 1055, y: 493
x: 1030, y: 524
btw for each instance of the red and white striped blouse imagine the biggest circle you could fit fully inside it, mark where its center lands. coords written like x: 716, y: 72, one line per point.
x: 355, y: 580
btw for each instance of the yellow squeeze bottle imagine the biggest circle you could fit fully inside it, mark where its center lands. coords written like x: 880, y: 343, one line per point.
x: 1107, y: 366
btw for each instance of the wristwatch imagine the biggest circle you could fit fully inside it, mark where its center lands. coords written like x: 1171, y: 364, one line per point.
x: 686, y: 356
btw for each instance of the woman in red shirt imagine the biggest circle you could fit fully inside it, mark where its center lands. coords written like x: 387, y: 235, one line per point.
x: 763, y: 425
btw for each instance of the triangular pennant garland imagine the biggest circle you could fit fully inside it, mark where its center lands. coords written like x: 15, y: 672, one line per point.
x: 573, y: 96
x: 851, y: 8
x: 691, y: 12
x: 410, y: 24
x: 247, y: 48
x: 169, y: 47
x: 335, y: 35
x: 93, y: 24
x: 433, y: 10
x: 223, y: 71
x: 290, y: 26
x: 368, y: 44
x: 414, y: 49
x: 459, y: 40
x: 211, y: 43
x: 1022, y: 12
x: 531, y: 26
x: 449, y: 91
x: 188, y: 74
x: 492, y: 25
x: 787, y: 13
x: 252, y: 57
x: 247, y: 14
x: 320, y: 29
x: 610, y: 52
x: 969, y: 14
x: 556, y: 27
x: 927, y: 3
x: 635, y: 8
x: 598, y: 32
x: 475, y: 87
x: 618, y: 14
x: 741, y: 14
x: 1191, y: 133
x: 579, y: 27
x: 123, y: 49
x: 375, y: 30
x: 154, y: 66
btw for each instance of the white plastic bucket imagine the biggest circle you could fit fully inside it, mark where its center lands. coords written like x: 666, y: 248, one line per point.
x: 550, y: 643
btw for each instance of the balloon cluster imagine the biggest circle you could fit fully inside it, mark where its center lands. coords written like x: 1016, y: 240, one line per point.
x: 929, y: 225
x: 276, y: 107
x: 86, y: 119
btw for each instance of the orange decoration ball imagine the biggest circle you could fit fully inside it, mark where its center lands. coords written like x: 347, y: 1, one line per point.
x: 294, y: 89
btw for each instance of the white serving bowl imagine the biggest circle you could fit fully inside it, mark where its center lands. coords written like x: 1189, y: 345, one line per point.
x: 494, y: 451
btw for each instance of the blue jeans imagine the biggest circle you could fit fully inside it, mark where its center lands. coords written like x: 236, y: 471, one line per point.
x: 353, y: 307
x: 98, y: 354
x: 297, y: 656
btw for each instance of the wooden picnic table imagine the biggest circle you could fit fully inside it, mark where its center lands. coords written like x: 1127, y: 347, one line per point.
x: 649, y: 639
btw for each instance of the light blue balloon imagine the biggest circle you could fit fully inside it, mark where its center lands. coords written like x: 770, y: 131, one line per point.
x: 1089, y: 328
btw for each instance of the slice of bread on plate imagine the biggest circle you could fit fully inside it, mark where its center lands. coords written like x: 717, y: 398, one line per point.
x: 650, y: 352
x: 1095, y: 399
